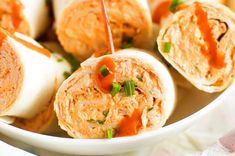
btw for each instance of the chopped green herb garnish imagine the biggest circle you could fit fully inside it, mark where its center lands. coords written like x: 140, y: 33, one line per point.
x: 129, y: 87
x: 140, y: 78
x: 174, y: 5
x: 106, y: 112
x: 104, y: 70
x: 167, y: 47
x: 66, y: 74
x: 116, y: 87
x: 110, y: 133
x: 75, y: 64
x: 150, y: 109
x: 91, y: 120
x: 101, y: 122
x: 127, y: 42
x: 125, y: 46
x: 105, y: 53
x: 60, y: 60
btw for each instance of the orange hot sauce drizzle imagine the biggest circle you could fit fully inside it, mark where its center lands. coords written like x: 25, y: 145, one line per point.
x: 105, y: 83
x: 162, y: 10
x: 130, y: 125
x: 101, y: 52
x: 15, y: 14
x: 32, y: 46
x: 215, y: 58
x: 2, y: 37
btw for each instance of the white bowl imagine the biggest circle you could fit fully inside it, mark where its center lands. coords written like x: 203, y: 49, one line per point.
x: 192, y: 105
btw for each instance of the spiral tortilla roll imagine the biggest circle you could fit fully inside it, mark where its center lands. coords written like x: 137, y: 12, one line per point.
x: 160, y: 9
x: 30, y: 17
x: 202, y: 45
x: 85, y: 111
x: 27, y: 76
x: 80, y: 25
x: 45, y: 121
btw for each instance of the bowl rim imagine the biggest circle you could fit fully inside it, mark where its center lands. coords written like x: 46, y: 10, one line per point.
x: 22, y: 135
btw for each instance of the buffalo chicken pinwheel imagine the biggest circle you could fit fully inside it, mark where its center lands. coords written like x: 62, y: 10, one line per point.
x: 80, y: 25
x: 119, y: 94
x: 198, y: 41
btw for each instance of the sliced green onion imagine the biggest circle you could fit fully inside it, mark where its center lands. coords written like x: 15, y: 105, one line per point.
x: 126, y: 46
x: 128, y: 42
x: 116, y: 87
x: 60, y: 60
x: 150, y: 109
x: 75, y: 64
x: 167, y: 47
x: 129, y: 87
x: 104, y: 70
x: 91, y: 120
x: 101, y: 122
x: 105, y: 53
x: 140, y: 78
x: 106, y: 112
x: 110, y: 133
x: 174, y: 5
x: 66, y: 74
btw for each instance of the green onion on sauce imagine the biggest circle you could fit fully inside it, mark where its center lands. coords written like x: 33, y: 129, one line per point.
x: 104, y: 70
x: 174, y: 5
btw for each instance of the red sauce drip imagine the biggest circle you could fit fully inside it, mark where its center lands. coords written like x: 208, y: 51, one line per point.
x: 215, y: 58
x: 33, y: 47
x: 4, y: 34
x: 105, y: 83
x: 2, y: 37
x: 130, y: 125
x: 162, y: 10
x: 16, y: 12
x: 101, y: 52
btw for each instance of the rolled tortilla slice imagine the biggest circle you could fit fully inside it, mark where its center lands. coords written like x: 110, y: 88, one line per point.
x: 46, y: 121
x: 85, y: 110
x: 199, y: 42
x: 160, y: 9
x: 27, y: 76
x: 30, y: 17
x: 80, y: 26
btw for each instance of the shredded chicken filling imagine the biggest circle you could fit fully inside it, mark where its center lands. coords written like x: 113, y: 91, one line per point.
x: 80, y: 22
x: 7, y: 19
x: 84, y: 111
x: 186, y: 40
x: 11, y: 76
